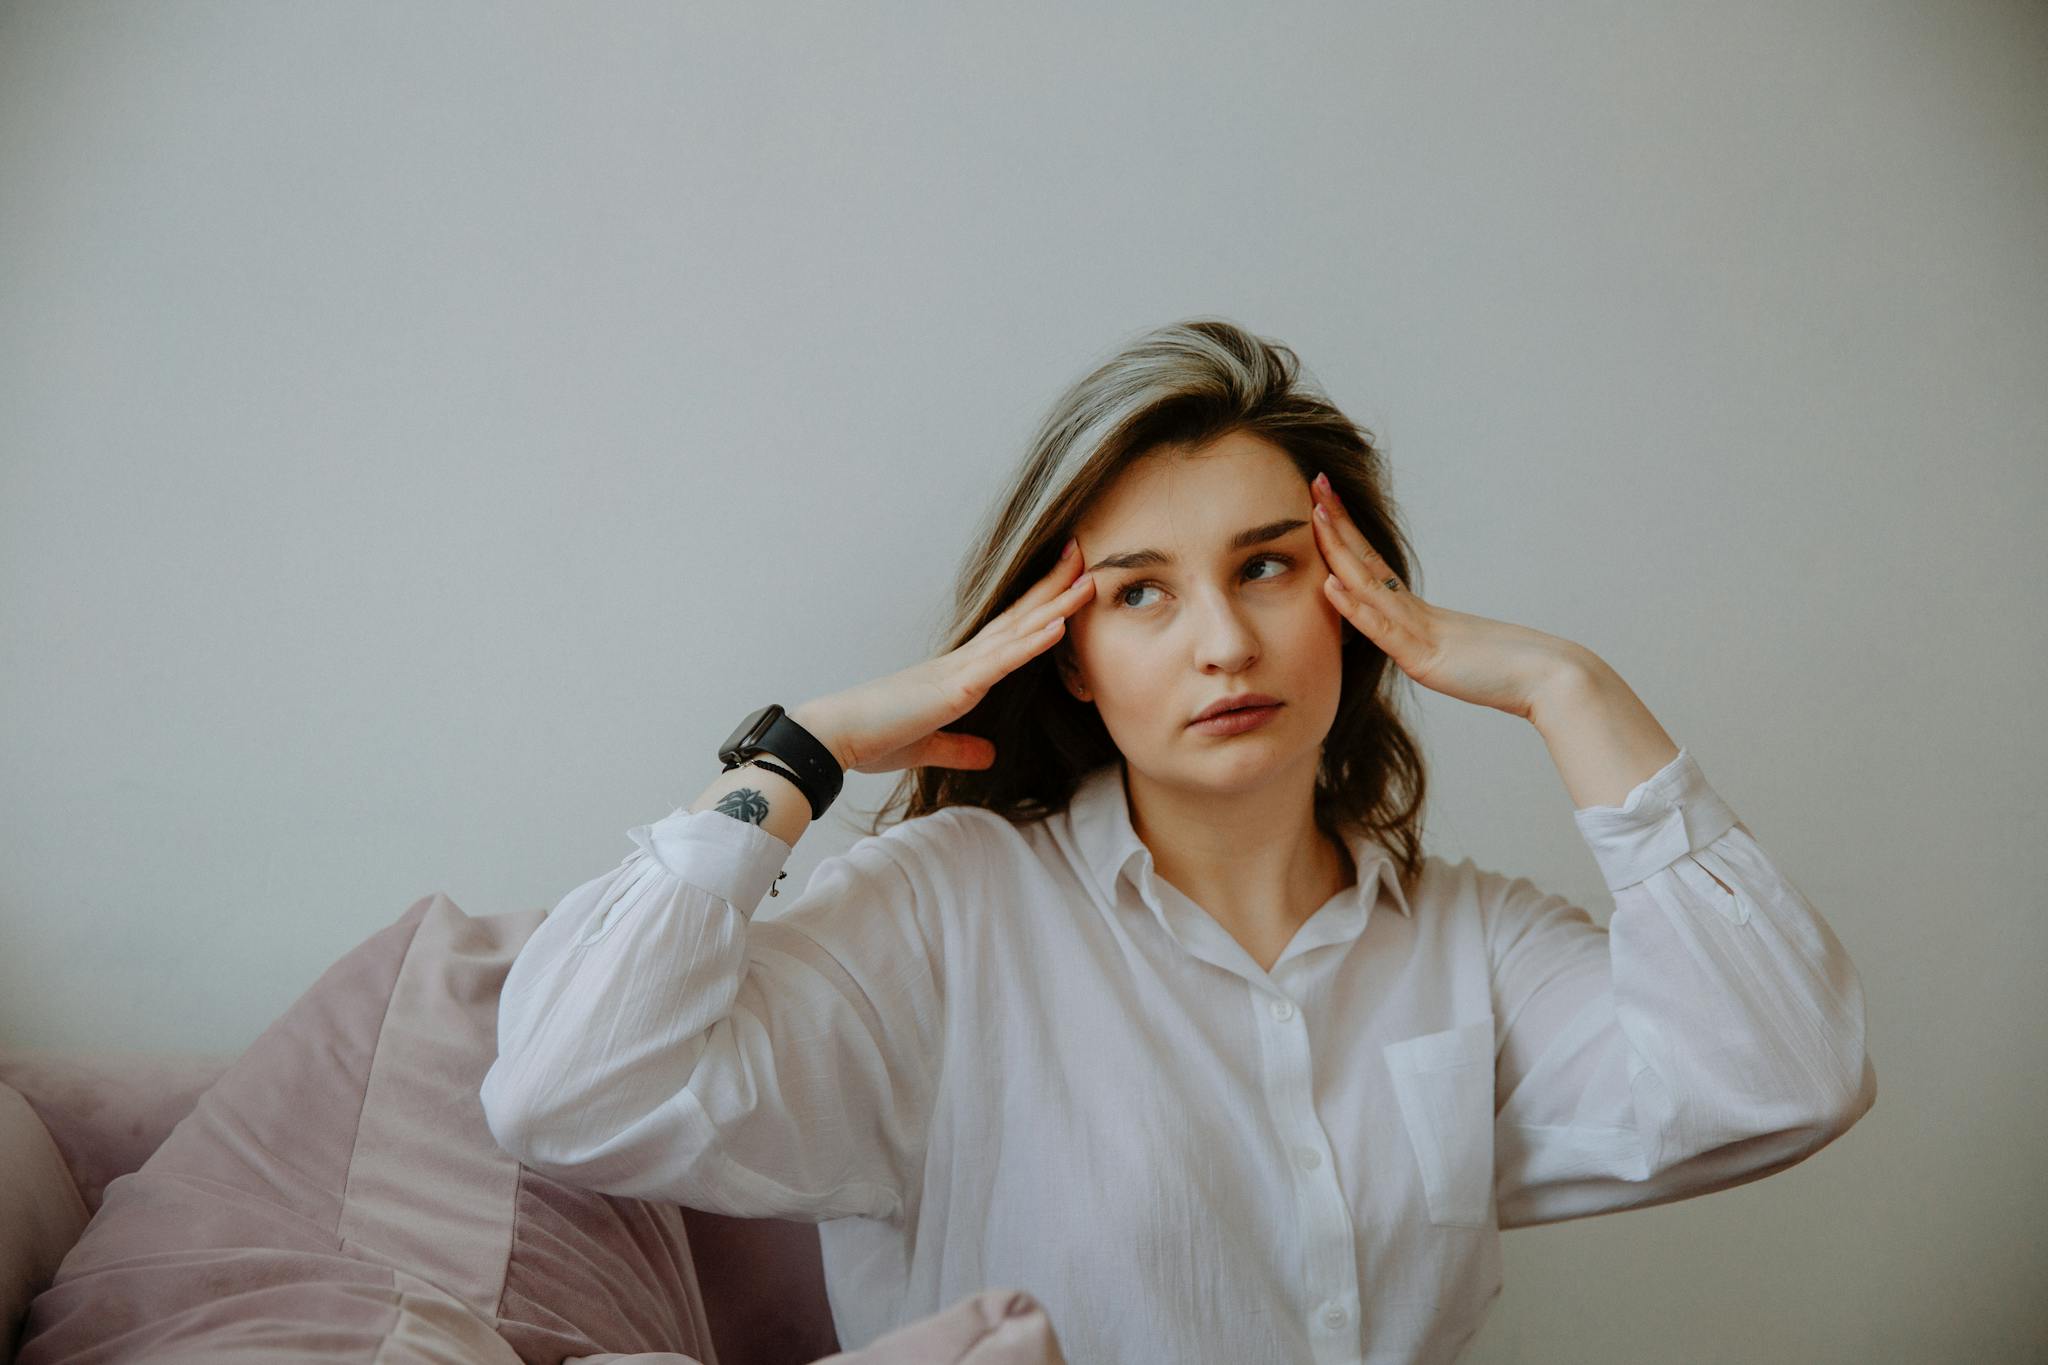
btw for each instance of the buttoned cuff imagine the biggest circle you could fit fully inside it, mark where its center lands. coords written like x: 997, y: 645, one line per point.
x: 733, y: 859
x: 1671, y: 813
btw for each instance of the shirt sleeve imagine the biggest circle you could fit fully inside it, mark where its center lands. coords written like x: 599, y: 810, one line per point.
x: 656, y: 1040
x: 1712, y: 1034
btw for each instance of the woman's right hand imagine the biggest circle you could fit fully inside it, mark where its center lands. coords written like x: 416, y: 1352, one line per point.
x: 893, y: 722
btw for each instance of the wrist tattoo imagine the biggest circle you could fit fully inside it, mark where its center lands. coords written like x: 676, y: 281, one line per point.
x: 744, y: 803
x: 751, y: 805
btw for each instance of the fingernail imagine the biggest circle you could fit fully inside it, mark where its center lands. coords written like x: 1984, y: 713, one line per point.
x: 1323, y: 481
x: 1069, y: 549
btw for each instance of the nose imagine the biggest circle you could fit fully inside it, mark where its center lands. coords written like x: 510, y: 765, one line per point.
x: 1225, y: 639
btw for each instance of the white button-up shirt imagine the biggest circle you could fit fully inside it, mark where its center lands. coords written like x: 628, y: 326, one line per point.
x: 998, y: 1055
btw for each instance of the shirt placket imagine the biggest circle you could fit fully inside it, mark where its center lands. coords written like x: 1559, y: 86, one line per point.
x: 1329, y: 1265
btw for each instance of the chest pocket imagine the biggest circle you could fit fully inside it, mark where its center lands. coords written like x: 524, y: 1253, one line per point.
x: 1444, y: 1083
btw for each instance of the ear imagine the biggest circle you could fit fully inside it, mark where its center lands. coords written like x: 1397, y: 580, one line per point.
x: 1070, y: 672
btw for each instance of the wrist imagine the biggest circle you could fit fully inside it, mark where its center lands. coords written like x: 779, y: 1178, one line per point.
x: 759, y: 796
x: 1602, y: 737
x: 1575, y: 672
x: 815, y: 719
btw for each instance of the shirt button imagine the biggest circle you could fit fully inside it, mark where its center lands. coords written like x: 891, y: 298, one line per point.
x: 1283, y: 1009
x: 1334, y: 1315
x: 1308, y: 1158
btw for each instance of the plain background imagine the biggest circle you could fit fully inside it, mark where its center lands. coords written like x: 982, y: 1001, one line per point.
x: 426, y: 430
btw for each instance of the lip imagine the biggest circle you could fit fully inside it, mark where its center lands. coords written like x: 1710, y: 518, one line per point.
x: 1236, y: 722
x: 1232, y: 703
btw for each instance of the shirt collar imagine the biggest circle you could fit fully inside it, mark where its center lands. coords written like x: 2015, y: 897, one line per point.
x: 1100, y: 819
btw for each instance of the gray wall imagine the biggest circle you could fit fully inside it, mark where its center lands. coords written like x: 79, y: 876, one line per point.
x: 425, y: 430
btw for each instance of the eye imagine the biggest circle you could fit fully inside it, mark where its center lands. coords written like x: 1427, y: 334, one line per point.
x: 1286, y: 561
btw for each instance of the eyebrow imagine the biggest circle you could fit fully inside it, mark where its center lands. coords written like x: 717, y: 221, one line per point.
x: 1145, y: 559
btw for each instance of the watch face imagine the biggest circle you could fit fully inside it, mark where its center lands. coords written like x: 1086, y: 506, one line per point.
x: 749, y: 733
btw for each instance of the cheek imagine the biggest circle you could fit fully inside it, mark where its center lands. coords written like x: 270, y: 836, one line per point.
x: 1122, y: 671
x: 1125, y: 659
x: 1314, y: 617
x: 1315, y: 642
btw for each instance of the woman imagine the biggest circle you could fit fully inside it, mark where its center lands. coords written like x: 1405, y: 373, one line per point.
x: 1170, y: 1022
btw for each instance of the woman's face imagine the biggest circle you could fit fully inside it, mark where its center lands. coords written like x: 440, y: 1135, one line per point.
x: 1159, y: 641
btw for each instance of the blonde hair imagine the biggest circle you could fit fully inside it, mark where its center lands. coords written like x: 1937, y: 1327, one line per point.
x: 1176, y: 387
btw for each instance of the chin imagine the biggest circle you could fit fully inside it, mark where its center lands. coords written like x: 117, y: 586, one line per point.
x: 1248, y: 759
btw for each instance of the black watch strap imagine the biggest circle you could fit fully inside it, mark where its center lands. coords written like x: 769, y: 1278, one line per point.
x: 760, y: 762
x: 811, y: 766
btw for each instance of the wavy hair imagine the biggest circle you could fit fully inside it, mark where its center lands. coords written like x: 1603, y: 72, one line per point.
x: 1176, y: 387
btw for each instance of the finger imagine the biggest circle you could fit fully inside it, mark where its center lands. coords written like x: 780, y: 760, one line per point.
x: 1358, y: 565
x: 1001, y: 656
x: 1063, y: 604
x: 1034, y: 618
x: 1335, y: 521
x: 1028, y: 645
x: 1050, y: 585
x: 948, y: 750
x: 1365, y: 615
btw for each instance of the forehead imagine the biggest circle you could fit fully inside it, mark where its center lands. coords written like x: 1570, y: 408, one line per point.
x: 1194, y: 498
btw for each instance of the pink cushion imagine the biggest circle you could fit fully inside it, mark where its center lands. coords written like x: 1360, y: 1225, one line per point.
x: 41, y: 1214
x: 109, y: 1108
x: 337, y: 1194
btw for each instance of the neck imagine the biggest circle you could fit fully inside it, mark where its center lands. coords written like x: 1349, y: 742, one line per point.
x: 1254, y: 859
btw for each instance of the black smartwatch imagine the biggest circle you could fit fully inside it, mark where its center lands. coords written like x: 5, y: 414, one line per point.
x: 771, y: 731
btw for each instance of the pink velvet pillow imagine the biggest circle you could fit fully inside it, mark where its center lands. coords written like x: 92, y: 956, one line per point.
x: 41, y: 1214
x: 337, y: 1194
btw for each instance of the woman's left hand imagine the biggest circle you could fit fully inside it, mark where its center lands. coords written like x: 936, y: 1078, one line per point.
x: 1486, y: 662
